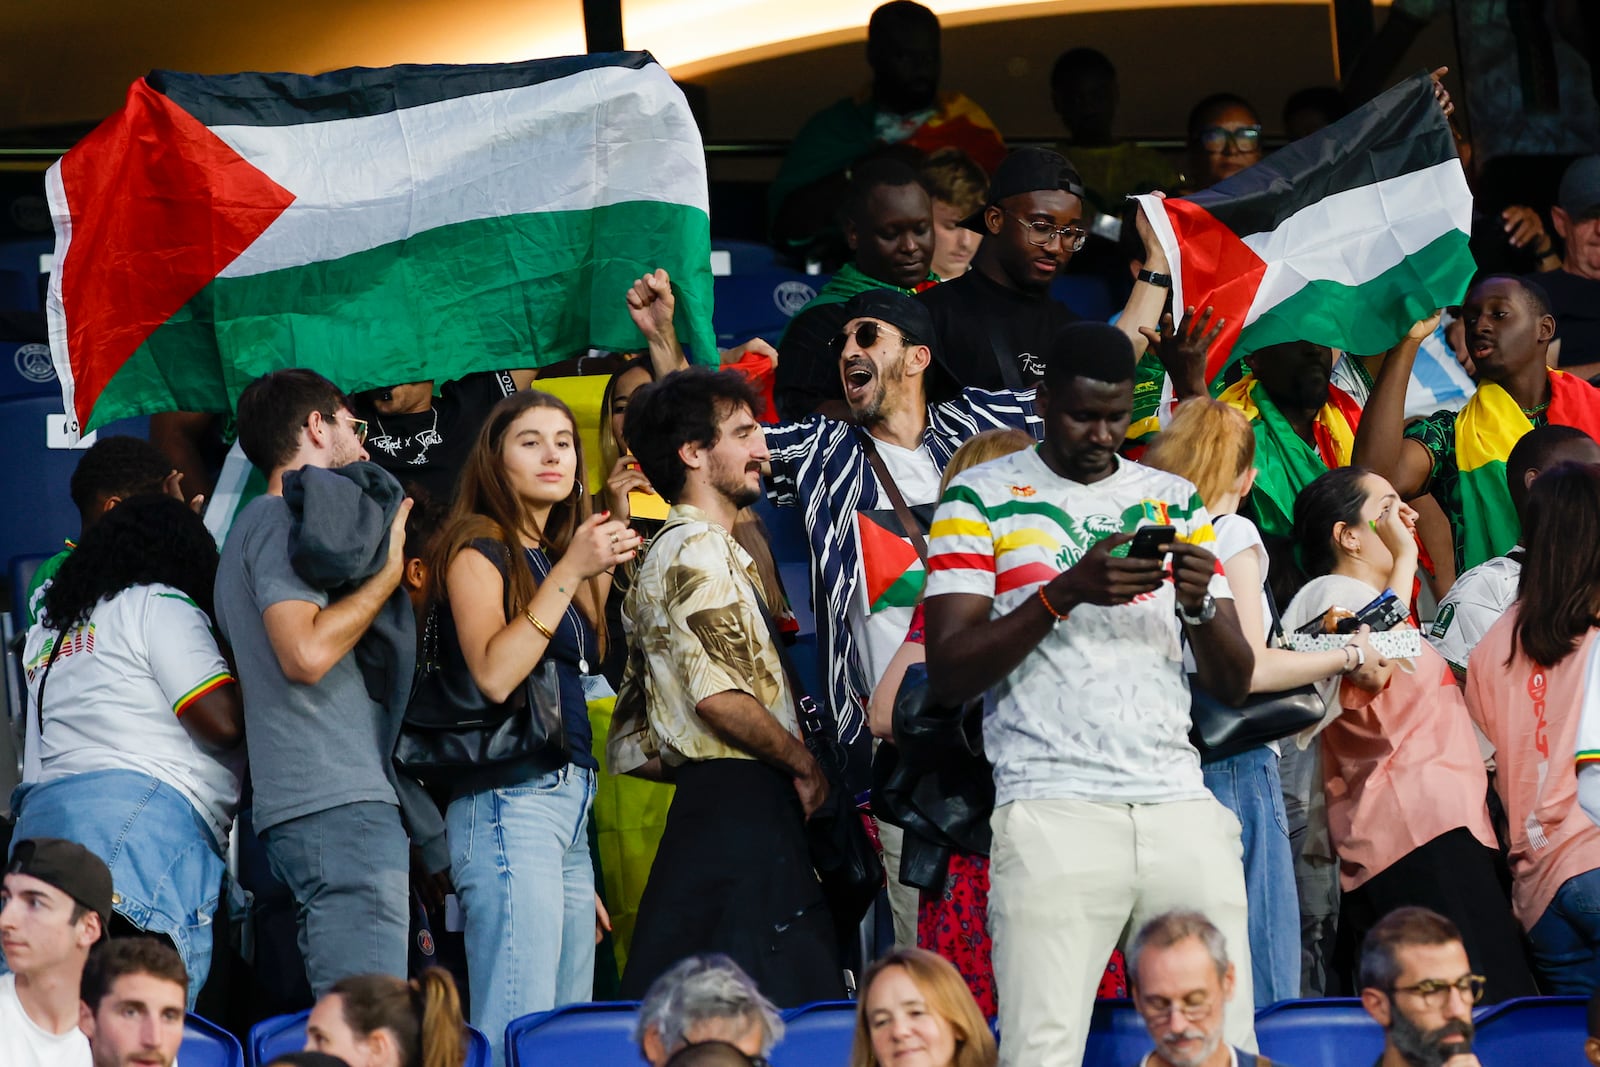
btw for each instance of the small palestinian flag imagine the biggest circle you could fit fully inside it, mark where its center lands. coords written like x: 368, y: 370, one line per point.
x: 894, y: 575
x: 1344, y: 238
x: 378, y: 226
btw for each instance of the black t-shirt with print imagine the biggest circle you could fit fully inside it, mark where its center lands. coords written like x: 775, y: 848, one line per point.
x: 973, y: 315
x: 429, y: 448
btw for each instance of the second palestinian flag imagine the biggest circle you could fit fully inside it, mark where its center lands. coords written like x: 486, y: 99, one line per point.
x: 1344, y: 238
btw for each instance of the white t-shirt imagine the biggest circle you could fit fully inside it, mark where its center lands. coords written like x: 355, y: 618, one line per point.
x: 1099, y: 709
x: 24, y: 1043
x: 889, y: 575
x: 117, y: 691
x: 1475, y: 602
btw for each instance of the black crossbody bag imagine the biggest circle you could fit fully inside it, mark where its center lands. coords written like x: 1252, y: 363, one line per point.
x: 1219, y: 730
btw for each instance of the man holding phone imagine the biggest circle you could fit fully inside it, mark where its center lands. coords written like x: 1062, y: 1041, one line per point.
x: 1045, y: 596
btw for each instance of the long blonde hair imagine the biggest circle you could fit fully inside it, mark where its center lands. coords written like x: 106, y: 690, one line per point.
x: 424, y: 1014
x: 1208, y: 443
x: 946, y: 994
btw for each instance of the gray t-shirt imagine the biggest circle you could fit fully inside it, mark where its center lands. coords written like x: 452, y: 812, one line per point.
x: 312, y: 747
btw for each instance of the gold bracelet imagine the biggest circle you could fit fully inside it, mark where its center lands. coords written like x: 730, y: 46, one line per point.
x: 537, y: 625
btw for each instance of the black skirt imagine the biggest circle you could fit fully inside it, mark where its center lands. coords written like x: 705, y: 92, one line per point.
x: 733, y: 875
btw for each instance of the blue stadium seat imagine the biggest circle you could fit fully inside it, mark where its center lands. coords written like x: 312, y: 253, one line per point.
x: 205, y: 1044
x: 1117, y: 1035
x: 818, y: 1033
x: 287, y: 1033
x: 596, y: 1035
x: 1319, y: 1033
x: 760, y: 304
x: 1533, y: 1028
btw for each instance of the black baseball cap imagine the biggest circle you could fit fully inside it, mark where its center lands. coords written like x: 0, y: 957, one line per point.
x: 1579, y: 195
x: 1027, y: 170
x: 69, y: 867
x: 905, y: 313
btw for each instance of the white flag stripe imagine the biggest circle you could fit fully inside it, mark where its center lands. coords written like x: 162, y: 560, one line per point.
x: 606, y: 136
x: 55, y: 193
x: 1352, y: 236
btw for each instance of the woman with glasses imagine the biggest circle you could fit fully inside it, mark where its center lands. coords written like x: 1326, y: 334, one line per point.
x: 1224, y: 138
x: 913, y: 1010
x: 1404, y: 776
x: 1529, y: 685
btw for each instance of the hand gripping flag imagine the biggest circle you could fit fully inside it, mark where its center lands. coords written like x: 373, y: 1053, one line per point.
x: 1344, y: 238
x: 377, y: 226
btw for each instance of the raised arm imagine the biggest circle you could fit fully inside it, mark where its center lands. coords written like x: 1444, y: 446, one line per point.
x: 309, y: 640
x: 1146, y: 302
x: 1381, y: 443
x: 650, y: 305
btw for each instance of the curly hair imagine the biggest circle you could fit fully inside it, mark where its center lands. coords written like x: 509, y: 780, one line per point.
x: 117, y: 466
x: 145, y: 540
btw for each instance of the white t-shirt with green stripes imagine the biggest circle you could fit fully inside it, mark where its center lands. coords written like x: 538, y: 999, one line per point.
x: 1099, y: 710
x: 117, y: 693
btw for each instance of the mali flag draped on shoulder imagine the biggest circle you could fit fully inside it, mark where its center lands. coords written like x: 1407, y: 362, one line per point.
x: 1344, y: 238
x: 377, y: 226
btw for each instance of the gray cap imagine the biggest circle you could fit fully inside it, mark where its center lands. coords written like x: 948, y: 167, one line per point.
x: 1580, y: 188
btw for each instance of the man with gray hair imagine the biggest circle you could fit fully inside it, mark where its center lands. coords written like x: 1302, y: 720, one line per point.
x: 705, y: 998
x: 1182, y: 981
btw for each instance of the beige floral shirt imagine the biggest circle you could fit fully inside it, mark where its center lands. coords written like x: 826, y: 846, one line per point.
x: 694, y: 630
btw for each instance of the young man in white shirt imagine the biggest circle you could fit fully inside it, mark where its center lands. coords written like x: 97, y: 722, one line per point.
x: 55, y: 905
x: 1102, y: 819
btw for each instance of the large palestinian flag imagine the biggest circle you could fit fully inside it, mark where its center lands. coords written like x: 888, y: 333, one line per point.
x: 1344, y: 238
x: 378, y: 226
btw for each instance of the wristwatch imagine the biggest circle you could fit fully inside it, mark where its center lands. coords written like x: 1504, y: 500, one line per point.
x: 1162, y: 280
x: 1208, y: 611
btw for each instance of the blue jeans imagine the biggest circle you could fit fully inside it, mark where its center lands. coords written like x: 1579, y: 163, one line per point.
x: 349, y: 871
x: 165, y: 867
x: 1249, y: 786
x: 1566, y: 939
x: 519, y: 858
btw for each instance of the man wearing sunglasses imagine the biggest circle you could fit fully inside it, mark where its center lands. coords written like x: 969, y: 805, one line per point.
x: 1417, y: 983
x: 994, y: 323
x: 836, y: 472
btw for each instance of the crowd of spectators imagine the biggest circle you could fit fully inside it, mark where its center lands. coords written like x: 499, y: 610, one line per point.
x: 394, y: 695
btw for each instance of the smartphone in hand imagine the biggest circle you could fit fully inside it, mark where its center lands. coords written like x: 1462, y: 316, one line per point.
x: 1148, y: 541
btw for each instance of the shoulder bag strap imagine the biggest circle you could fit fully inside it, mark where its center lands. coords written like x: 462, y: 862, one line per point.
x: 1275, y: 630
x: 1004, y: 356
x: 907, y: 520
x: 51, y: 662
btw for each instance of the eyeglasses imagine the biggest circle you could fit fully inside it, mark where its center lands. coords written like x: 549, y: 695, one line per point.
x: 1157, y: 1010
x: 1435, y: 991
x: 1040, y: 233
x: 358, y: 425
x: 866, y: 335
x: 1244, y: 140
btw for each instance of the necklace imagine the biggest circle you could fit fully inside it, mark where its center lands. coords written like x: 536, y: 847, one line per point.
x: 390, y: 445
x: 542, y: 565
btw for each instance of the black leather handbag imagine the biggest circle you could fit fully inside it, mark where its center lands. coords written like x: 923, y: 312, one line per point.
x: 1219, y: 729
x: 451, y: 728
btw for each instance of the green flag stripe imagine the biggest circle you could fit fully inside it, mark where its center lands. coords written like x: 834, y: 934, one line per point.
x: 1428, y: 279
x: 515, y: 291
x: 905, y: 591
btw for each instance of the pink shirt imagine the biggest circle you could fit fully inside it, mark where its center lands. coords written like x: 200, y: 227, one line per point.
x: 1402, y: 767
x: 1531, y: 714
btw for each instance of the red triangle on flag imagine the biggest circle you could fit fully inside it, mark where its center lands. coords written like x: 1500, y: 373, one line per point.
x: 1219, y: 271
x: 885, y: 555
x: 159, y: 206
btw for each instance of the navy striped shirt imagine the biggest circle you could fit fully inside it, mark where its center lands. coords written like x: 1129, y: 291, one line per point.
x: 818, y: 464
